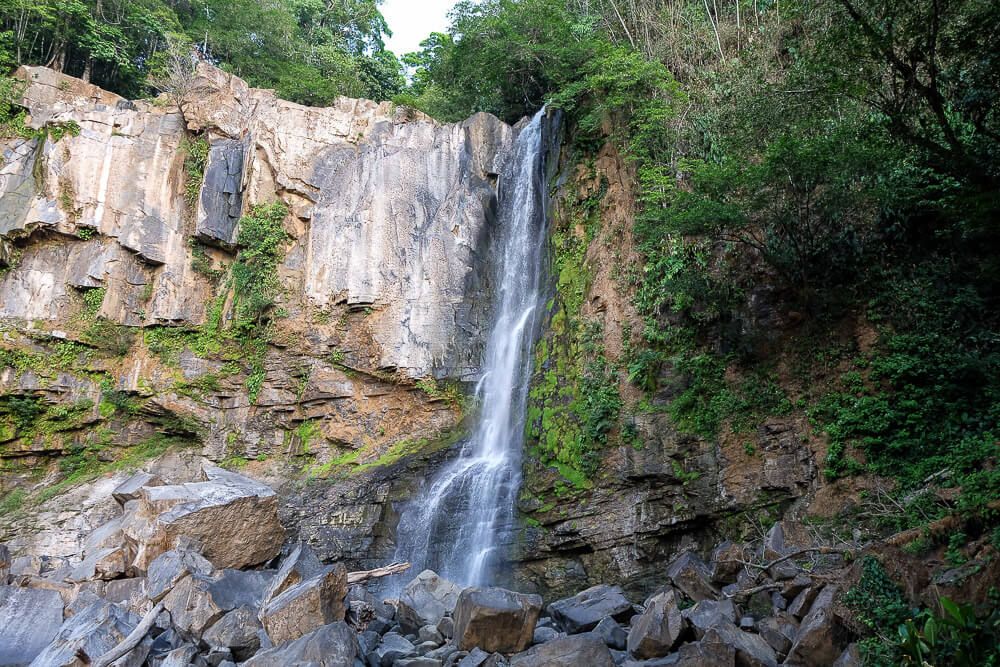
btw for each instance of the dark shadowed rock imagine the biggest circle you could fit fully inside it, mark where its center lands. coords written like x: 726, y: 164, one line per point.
x: 773, y: 632
x: 29, y: 620
x: 613, y: 634
x: 851, y: 657
x: 495, y: 619
x: 574, y: 651
x: 802, y: 602
x: 237, y: 631
x: 708, y: 613
x: 302, y: 608
x: 692, y: 577
x: 657, y: 630
x: 92, y: 632
x: 180, y: 656
x: 5, y: 563
x: 584, y: 611
x: 333, y: 645
x: 425, y: 601
x: 725, y: 563
x: 710, y: 651
x: 815, y: 644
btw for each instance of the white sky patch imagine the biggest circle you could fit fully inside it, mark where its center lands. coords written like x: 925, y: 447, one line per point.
x: 412, y: 21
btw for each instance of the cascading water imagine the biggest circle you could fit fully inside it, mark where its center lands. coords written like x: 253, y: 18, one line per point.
x: 453, y: 526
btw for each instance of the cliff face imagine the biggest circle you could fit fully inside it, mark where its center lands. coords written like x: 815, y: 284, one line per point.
x: 117, y: 309
x: 118, y: 230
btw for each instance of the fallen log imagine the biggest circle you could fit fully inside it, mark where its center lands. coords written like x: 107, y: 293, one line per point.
x: 384, y: 571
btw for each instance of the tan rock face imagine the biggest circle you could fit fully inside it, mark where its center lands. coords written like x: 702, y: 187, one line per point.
x: 306, y: 606
x: 495, y: 620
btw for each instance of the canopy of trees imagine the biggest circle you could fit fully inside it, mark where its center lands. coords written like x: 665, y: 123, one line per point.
x: 309, y: 50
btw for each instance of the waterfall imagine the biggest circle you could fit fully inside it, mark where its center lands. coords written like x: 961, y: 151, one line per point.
x: 453, y: 526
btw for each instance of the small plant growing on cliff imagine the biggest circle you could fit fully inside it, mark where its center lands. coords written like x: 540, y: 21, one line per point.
x: 195, y: 160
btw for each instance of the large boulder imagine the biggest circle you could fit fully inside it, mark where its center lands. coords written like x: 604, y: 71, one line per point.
x: 90, y: 634
x: 495, y: 619
x: 425, y: 601
x: 307, y: 605
x: 709, y: 613
x: 657, y: 630
x: 333, y: 645
x: 234, y: 518
x: 198, y: 601
x: 392, y: 648
x: 586, y: 609
x: 574, y: 651
x: 301, y: 564
x: 751, y: 650
x: 129, y: 489
x: 29, y: 620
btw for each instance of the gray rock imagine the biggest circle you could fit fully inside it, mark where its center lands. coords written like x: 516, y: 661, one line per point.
x: 612, y: 633
x: 751, y: 650
x: 815, y: 644
x: 495, y: 619
x: 423, y: 648
x: 545, y: 634
x: 772, y: 631
x: 92, y: 632
x: 307, y: 605
x: 129, y: 489
x: 192, y: 607
x: 442, y: 653
x: 725, y: 563
x: 393, y: 647
x: 710, y: 651
x: 300, y: 564
x: 573, y: 651
x: 692, y: 577
x: 5, y: 563
x: 706, y: 614
x: 421, y: 661
x: 237, y: 631
x: 446, y: 626
x: 657, y: 630
x: 586, y: 609
x: 475, y: 658
x: 333, y: 645
x: 30, y: 619
x: 425, y: 601
x: 180, y: 657
x: 170, y: 567
x: 800, y: 606
x: 430, y: 633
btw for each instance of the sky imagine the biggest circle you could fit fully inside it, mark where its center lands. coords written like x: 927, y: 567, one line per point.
x: 411, y: 21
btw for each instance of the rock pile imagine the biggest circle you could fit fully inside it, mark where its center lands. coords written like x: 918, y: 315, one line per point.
x: 189, y: 574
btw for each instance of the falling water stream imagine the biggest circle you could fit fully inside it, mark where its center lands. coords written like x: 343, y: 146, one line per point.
x: 454, y: 525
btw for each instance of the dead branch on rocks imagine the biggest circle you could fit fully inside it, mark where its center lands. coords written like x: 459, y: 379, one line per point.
x: 133, y: 638
x: 384, y: 571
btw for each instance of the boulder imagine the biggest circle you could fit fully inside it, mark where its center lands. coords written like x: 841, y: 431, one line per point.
x: 430, y: 633
x: 586, y: 609
x: 307, y: 605
x: 710, y: 651
x: 198, y: 601
x: 815, y: 644
x: 29, y: 620
x: 851, y: 657
x: 802, y: 602
x: 301, y: 564
x: 233, y: 517
x: 333, y: 645
x: 129, y: 489
x: 237, y: 631
x: 93, y: 632
x: 495, y: 619
x: 476, y: 658
x: 420, y: 661
x: 692, y: 577
x: 657, y: 630
x: 751, y: 650
x: 182, y: 656
x: 612, y: 633
x: 105, y: 564
x: 726, y: 563
x: 425, y: 601
x: 170, y: 567
x: 393, y: 647
x: 708, y: 613
x: 574, y: 651
x: 776, y: 634
x: 546, y: 634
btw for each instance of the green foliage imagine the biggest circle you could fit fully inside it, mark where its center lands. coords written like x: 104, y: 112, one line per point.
x: 195, y: 160
x: 309, y: 51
